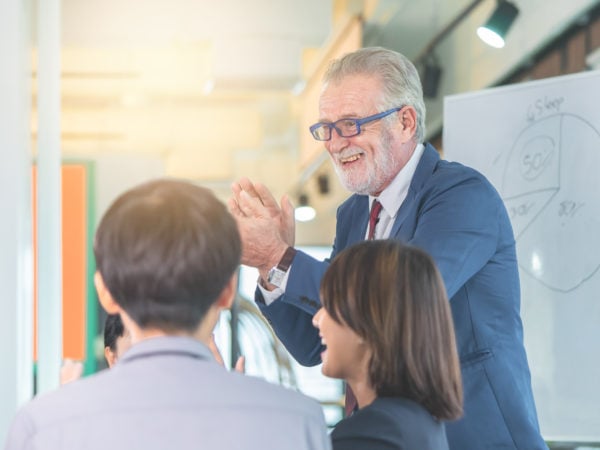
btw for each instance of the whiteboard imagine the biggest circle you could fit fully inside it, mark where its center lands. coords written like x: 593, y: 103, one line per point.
x: 539, y: 144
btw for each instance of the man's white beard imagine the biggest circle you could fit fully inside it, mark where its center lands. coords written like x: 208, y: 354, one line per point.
x: 379, y: 170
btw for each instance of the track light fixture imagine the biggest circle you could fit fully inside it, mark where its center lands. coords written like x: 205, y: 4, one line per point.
x: 323, y: 184
x: 431, y: 76
x: 495, y: 29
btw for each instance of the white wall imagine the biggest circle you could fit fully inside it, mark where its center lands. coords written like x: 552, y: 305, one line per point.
x: 16, y: 276
x: 115, y: 173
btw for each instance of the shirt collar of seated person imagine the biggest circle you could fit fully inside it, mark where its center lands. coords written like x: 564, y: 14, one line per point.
x: 387, y: 327
x: 167, y: 254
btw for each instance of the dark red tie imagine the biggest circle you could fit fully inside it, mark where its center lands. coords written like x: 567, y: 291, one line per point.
x: 373, y: 219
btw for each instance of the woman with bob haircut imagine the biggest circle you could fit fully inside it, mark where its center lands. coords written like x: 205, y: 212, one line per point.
x: 387, y: 328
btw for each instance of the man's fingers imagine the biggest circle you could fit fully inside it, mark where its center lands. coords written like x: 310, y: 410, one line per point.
x: 250, y: 206
x: 286, y: 205
x: 243, y: 204
x: 257, y: 191
x: 246, y: 185
x: 266, y: 197
x: 234, y: 208
x: 236, y: 188
x: 288, y: 221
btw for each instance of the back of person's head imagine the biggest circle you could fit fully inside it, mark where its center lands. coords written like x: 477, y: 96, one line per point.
x: 393, y: 297
x: 400, y: 79
x: 165, y: 251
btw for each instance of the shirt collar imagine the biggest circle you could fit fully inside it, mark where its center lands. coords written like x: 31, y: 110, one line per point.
x: 392, y: 196
x: 173, y: 345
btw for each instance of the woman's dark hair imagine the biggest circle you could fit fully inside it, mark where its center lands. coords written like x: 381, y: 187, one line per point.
x: 393, y: 297
x: 113, y: 330
x: 166, y: 250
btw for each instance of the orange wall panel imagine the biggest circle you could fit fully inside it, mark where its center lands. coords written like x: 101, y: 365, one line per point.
x: 74, y: 204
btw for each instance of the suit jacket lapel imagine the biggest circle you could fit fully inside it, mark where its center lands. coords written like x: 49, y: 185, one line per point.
x: 407, y: 204
x: 360, y: 217
x: 425, y: 168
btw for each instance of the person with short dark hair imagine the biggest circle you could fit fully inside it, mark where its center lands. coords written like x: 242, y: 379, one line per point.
x: 388, y: 333
x: 167, y: 254
x: 116, y: 339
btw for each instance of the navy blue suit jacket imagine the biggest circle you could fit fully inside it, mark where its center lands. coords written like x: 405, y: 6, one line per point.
x: 390, y: 423
x: 457, y: 216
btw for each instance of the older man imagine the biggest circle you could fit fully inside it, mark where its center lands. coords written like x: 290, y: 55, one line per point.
x: 371, y: 121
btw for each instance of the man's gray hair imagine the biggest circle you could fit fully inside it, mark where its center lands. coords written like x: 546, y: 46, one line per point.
x: 400, y: 79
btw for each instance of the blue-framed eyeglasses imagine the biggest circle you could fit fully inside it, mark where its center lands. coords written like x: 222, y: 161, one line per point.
x: 346, y: 127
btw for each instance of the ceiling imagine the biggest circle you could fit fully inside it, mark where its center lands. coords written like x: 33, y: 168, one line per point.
x: 213, y: 89
x: 196, y: 82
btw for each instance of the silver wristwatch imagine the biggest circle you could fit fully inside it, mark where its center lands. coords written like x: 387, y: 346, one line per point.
x: 277, y: 273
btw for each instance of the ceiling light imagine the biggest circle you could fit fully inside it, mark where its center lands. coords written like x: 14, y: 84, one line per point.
x: 304, y: 212
x: 495, y: 29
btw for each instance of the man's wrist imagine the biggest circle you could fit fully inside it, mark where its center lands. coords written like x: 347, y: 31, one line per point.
x: 275, y: 275
x: 262, y: 281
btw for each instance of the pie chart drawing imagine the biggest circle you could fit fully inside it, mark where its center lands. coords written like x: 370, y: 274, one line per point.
x: 551, y: 189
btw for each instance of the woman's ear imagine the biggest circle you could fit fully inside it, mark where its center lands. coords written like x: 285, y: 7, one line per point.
x: 106, y: 299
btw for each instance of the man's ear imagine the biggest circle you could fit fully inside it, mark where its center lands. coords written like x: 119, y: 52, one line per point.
x: 408, y: 121
x: 227, y: 295
x: 106, y: 299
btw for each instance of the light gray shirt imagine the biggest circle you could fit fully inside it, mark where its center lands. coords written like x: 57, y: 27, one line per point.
x: 169, y: 393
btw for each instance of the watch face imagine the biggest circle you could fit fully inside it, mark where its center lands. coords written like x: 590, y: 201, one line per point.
x: 275, y: 276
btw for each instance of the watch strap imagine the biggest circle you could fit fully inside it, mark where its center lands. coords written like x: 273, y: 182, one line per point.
x: 286, y: 260
x: 277, y: 274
